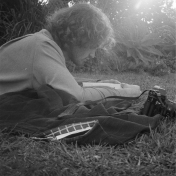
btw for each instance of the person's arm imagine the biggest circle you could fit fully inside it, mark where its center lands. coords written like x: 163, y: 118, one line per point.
x: 49, y: 68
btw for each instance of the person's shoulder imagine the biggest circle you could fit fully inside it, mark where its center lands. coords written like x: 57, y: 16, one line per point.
x: 43, y: 35
x: 44, y: 40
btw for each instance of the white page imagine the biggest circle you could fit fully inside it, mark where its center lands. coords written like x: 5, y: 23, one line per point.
x: 94, y: 84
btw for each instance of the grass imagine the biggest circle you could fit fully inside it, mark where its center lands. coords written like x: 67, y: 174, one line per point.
x: 148, y: 155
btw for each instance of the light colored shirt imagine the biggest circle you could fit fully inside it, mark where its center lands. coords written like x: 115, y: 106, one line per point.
x: 34, y: 60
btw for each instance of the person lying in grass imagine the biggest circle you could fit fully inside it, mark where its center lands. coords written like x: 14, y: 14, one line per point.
x: 37, y: 59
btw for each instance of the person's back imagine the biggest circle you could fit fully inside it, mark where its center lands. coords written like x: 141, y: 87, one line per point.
x: 34, y: 60
x: 16, y: 64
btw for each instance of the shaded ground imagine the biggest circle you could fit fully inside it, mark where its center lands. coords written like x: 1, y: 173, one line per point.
x: 148, y: 155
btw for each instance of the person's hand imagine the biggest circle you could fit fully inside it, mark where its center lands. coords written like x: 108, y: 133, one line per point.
x: 114, y: 81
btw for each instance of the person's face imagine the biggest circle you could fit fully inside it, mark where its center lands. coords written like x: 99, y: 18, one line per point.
x: 77, y: 55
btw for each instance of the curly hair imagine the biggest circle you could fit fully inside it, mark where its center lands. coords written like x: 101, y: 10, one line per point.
x: 82, y: 25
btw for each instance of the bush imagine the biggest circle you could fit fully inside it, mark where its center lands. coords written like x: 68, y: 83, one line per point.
x: 20, y: 18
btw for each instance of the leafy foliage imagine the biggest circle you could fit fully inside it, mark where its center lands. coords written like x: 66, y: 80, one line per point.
x: 168, y: 35
x: 19, y: 18
x: 135, y: 38
x: 145, y: 31
x: 158, y: 12
x: 53, y: 5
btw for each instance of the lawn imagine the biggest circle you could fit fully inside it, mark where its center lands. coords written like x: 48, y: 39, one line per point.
x: 153, y: 154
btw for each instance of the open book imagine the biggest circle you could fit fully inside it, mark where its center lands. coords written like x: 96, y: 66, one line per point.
x: 95, y: 84
x: 123, y: 89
